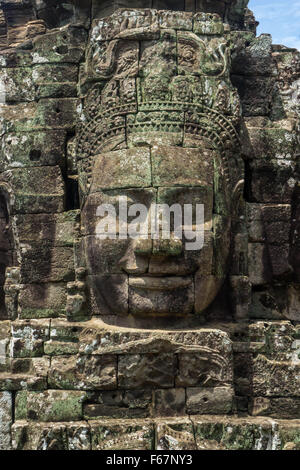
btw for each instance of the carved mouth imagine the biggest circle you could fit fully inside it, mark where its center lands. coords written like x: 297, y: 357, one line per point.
x: 160, y: 283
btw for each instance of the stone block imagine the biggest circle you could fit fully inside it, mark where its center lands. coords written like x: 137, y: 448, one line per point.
x: 52, y: 229
x: 19, y: 117
x: 171, y: 19
x: 188, y: 262
x: 271, y: 182
x: 26, y: 374
x: 122, y: 169
x: 268, y: 143
x: 169, y: 402
x: 83, y: 372
x: 42, y: 300
x: 118, y: 404
x: 206, y: 24
x: 137, y: 371
x: 79, y: 436
x: 275, y: 378
x: 174, y: 434
x: 254, y: 55
x: 51, y: 405
x: 282, y: 408
x: 60, y: 348
x: 113, y: 256
x: 37, y: 190
x: 56, y: 112
x: 288, y: 434
x: 255, y: 94
x: 234, y: 434
x: 198, y: 370
x: 270, y: 303
x: 217, y: 400
x: 90, y: 219
x: 28, y: 337
x: 44, y: 264
x: 5, y: 420
x: 60, y: 46
x: 269, y: 223
x: 177, y: 301
x: 122, y: 435
x: 30, y: 149
x: 175, y: 166
x: 258, y: 262
x: 189, y: 195
x: 108, y: 294
x: 39, y: 436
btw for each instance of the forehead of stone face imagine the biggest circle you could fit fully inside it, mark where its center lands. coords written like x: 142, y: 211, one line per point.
x: 160, y: 166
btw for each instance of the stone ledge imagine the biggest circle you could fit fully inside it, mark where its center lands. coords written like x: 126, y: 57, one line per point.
x: 198, y: 433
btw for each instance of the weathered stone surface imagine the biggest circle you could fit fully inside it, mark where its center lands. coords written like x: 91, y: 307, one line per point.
x: 83, y: 373
x: 176, y: 166
x: 235, y: 434
x: 57, y: 229
x: 118, y: 404
x: 32, y: 149
x: 26, y: 374
x: 169, y: 402
x: 28, y: 337
x: 5, y: 420
x: 39, y: 436
x: 283, y: 408
x: 117, y: 256
x: 47, y: 264
x: 109, y: 294
x: 122, y: 169
x: 52, y: 405
x: 275, y: 378
x: 42, y: 301
x: 223, y: 433
x: 199, y: 370
x: 175, y: 435
x: 90, y: 219
x: 129, y: 435
x: 37, y: 190
x: 217, y: 400
x: 146, y: 371
x: 144, y: 301
x: 60, y: 348
x: 166, y: 102
x: 79, y: 436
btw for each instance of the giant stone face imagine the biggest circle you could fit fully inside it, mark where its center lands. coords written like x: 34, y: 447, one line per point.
x: 158, y: 127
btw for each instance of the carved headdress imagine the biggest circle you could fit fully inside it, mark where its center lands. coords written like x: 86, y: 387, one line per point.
x: 158, y: 75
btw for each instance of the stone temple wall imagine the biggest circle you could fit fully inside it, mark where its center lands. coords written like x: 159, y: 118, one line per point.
x: 109, y: 344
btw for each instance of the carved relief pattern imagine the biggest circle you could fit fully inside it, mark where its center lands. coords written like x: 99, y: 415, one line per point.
x: 151, y: 80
